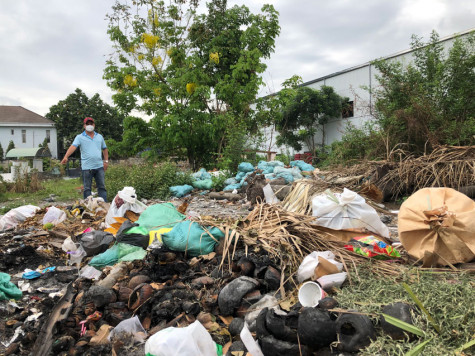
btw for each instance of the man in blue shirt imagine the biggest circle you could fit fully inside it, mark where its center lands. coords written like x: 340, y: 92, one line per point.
x: 92, y: 147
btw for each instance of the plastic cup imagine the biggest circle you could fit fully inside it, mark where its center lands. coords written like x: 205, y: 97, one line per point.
x: 310, y: 293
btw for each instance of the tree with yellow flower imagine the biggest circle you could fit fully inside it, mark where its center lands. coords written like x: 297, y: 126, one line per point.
x: 195, y: 74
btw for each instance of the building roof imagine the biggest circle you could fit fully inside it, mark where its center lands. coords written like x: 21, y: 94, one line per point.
x: 28, y: 152
x: 17, y: 115
x: 397, y: 54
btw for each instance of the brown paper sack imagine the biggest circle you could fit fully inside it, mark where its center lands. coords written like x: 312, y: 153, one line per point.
x: 438, y: 222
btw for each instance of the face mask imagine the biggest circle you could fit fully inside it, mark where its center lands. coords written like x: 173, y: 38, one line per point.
x: 89, y: 128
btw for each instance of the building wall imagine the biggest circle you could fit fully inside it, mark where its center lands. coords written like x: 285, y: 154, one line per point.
x: 352, y: 83
x: 34, y: 137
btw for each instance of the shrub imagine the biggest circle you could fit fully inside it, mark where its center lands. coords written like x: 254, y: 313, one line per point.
x: 26, y: 183
x: 218, y: 181
x: 284, y: 158
x: 356, y: 145
x: 150, y: 181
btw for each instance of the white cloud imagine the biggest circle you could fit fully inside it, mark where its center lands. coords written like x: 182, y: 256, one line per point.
x: 50, y: 48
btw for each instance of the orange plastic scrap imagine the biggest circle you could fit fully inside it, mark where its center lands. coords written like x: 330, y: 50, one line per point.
x: 111, y: 230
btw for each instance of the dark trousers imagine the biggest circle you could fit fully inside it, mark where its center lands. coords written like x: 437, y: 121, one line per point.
x: 99, y: 176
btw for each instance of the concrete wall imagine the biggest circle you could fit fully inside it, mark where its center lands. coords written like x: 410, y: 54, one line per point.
x: 34, y: 137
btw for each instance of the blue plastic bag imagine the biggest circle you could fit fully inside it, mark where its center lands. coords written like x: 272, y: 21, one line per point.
x: 158, y: 216
x: 303, y: 166
x: 37, y: 274
x: 202, y: 174
x: 193, y: 238
x: 230, y: 181
x: 180, y: 190
x: 203, y: 184
x: 245, y: 167
x: 231, y: 187
x: 117, y: 253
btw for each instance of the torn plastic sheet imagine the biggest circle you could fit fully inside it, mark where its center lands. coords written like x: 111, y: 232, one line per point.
x: 17, y: 333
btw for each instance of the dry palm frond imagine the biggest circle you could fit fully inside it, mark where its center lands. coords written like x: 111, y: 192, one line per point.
x: 289, y: 237
x: 299, y: 200
x: 446, y: 166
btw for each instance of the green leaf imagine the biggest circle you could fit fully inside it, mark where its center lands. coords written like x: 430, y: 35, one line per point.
x: 421, y: 306
x: 466, y: 346
x: 418, y: 349
x: 403, y: 325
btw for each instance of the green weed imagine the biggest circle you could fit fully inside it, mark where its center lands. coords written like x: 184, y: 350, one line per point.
x: 448, y: 297
x: 150, y: 181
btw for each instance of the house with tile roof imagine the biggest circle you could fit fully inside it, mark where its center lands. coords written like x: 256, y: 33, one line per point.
x: 26, y: 129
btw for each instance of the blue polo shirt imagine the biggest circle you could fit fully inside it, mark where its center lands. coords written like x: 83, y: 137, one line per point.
x: 91, y: 150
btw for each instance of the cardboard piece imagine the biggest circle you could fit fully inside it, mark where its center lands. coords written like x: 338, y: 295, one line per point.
x: 438, y: 222
x: 346, y: 235
x: 324, y: 268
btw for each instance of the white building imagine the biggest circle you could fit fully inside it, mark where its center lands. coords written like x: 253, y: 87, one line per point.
x: 26, y: 129
x: 358, y: 84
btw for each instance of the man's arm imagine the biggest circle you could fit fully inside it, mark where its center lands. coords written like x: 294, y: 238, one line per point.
x: 69, y: 152
x: 105, y: 153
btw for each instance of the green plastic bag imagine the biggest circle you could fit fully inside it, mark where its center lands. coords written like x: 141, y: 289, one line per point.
x: 158, y: 216
x: 7, y: 289
x: 117, y: 253
x: 203, y: 184
x: 193, y: 238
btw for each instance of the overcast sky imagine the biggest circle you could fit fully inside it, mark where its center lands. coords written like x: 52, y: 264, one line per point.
x: 49, y: 48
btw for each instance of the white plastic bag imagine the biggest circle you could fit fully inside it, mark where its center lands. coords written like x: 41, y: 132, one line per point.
x: 54, y: 215
x: 129, y: 326
x: 90, y: 272
x: 251, y: 345
x: 332, y: 280
x: 270, y: 195
x: 95, y: 204
x: 267, y: 301
x: 127, y: 201
x: 74, y: 250
x: 310, y: 262
x: 69, y: 245
x: 347, y: 210
x: 17, y: 215
x: 191, y: 340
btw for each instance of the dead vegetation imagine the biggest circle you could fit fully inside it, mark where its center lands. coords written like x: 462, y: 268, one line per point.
x: 288, y: 237
x: 446, y: 166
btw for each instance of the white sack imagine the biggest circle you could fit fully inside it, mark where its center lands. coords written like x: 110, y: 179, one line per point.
x: 191, y: 340
x: 347, y: 210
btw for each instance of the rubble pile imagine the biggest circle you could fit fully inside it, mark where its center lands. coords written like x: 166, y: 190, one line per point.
x: 159, y: 278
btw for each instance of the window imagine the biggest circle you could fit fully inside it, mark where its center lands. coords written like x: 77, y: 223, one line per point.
x: 48, y: 137
x: 23, y: 136
x: 348, y: 110
x: 13, y: 132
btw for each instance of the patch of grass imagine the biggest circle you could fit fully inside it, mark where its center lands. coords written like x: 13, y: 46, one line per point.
x: 63, y: 189
x: 150, y: 181
x: 448, y: 297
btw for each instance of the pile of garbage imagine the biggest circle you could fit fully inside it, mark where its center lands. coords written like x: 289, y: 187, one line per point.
x: 273, y: 170
x: 130, y: 278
